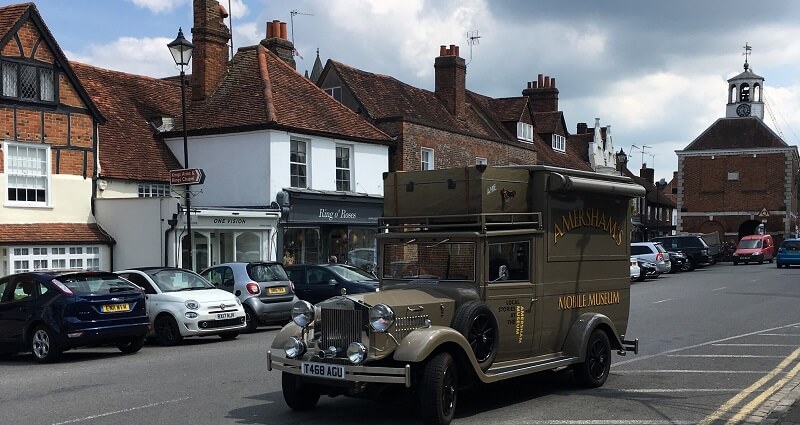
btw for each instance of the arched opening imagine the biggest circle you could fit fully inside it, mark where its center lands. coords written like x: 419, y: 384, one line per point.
x: 744, y: 92
x: 248, y: 247
x: 749, y: 227
x: 713, y: 226
x: 732, y: 96
x: 756, y: 92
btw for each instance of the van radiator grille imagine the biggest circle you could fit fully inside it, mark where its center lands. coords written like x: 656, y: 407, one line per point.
x: 404, y: 325
x: 341, y: 327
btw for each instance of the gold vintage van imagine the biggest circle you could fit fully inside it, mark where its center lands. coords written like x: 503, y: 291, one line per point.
x: 487, y: 273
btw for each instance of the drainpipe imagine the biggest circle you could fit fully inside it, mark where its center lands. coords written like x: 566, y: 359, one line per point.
x: 172, y: 223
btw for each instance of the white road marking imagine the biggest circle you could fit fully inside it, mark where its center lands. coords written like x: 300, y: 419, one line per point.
x: 734, y: 356
x: 719, y: 289
x: 625, y: 372
x: 88, y: 418
x: 662, y: 301
x: 754, y: 345
x: 780, y: 334
x: 598, y: 422
x: 671, y: 390
x: 754, y: 281
x: 703, y: 344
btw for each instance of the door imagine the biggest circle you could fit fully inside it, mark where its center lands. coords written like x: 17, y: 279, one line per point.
x: 510, y: 295
x: 150, y: 294
x: 5, y: 317
x: 221, y: 277
x: 321, y: 284
x: 17, y: 306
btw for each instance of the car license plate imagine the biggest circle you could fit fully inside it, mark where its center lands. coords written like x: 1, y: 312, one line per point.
x: 280, y: 290
x: 224, y: 316
x: 115, y: 308
x: 322, y: 370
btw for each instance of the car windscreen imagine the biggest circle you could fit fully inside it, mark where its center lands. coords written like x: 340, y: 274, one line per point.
x: 266, y: 272
x: 92, y: 283
x: 173, y: 280
x: 750, y: 243
x: 352, y: 273
x: 441, y: 260
x: 660, y: 248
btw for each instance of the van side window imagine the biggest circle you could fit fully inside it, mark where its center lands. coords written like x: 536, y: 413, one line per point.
x: 515, y: 256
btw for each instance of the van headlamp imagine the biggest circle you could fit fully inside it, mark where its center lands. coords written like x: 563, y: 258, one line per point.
x: 381, y: 317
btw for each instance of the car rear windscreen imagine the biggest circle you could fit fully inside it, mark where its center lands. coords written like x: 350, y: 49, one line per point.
x: 96, y: 283
x: 266, y: 272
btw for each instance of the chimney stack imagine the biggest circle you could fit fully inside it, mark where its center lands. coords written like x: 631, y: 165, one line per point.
x: 210, y: 37
x: 542, y: 94
x: 277, y: 42
x: 451, y: 76
x: 582, y: 127
x: 647, y: 173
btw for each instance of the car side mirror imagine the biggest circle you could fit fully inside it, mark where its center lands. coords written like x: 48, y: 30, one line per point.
x: 333, y: 282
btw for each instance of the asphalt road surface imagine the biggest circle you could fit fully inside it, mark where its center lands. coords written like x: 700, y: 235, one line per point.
x: 717, y: 346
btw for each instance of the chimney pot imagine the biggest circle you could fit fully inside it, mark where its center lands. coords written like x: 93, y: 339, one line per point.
x: 535, y: 84
x: 284, y: 34
x: 269, y: 30
x: 456, y: 53
x: 442, y: 50
x: 541, y: 80
x: 547, y: 81
x: 553, y: 82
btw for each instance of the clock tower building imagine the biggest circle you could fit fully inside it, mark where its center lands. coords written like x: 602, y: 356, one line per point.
x: 745, y: 93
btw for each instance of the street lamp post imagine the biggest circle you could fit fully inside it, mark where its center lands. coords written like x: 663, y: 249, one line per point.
x: 181, y: 50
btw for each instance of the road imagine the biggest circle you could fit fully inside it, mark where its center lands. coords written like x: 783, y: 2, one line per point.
x: 716, y: 344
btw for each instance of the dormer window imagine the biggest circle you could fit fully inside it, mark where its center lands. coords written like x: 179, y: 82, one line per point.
x: 559, y: 143
x: 335, y: 92
x: 30, y: 82
x: 525, y: 132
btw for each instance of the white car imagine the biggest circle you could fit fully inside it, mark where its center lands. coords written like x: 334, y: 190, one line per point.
x: 635, y: 269
x: 180, y: 303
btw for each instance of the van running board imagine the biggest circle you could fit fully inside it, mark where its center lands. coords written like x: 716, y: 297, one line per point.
x: 518, y: 369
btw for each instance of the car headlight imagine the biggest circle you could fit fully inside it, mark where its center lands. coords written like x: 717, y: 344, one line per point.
x: 356, y: 352
x: 192, y: 304
x: 381, y: 317
x: 294, y: 347
x: 303, y: 313
x: 238, y: 301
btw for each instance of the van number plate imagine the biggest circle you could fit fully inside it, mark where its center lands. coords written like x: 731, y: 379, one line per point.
x: 322, y: 370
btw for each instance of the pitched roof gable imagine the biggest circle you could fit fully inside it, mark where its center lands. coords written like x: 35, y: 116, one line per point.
x: 128, y: 145
x: 11, y: 20
x: 262, y: 91
x: 737, y: 133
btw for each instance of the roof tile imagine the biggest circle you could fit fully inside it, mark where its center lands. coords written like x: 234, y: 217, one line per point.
x: 54, y: 233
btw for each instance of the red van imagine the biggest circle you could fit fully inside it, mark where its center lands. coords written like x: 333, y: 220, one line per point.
x: 758, y: 248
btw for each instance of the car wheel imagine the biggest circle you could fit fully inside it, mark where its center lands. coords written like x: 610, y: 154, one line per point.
x: 251, y: 319
x: 167, y: 332
x: 439, y: 392
x: 44, y: 346
x: 770, y: 260
x: 779, y: 265
x: 642, y: 277
x: 476, y: 322
x: 133, y: 345
x: 228, y: 335
x: 593, y: 372
x: 735, y: 263
x: 298, y: 395
x: 692, y: 265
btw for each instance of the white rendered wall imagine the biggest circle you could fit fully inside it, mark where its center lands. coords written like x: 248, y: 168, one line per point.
x: 70, y: 202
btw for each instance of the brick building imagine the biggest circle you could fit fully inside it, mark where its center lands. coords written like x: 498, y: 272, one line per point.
x: 739, y: 174
x: 453, y: 126
x: 48, y: 129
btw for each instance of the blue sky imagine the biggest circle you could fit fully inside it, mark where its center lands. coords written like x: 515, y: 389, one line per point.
x: 655, y: 71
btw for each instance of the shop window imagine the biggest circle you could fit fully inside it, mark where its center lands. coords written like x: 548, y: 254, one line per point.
x: 301, y: 246
x: 248, y: 247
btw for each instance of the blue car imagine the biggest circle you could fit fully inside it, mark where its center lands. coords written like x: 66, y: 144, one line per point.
x: 49, y: 312
x: 788, y: 253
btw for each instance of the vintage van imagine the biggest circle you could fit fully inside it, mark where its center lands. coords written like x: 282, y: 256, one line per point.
x: 754, y: 248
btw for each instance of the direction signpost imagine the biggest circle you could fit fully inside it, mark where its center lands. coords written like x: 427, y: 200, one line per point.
x: 186, y: 176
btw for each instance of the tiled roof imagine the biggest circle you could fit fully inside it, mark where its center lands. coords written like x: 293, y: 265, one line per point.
x: 548, y: 122
x: 569, y: 159
x: 737, y: 133
x: 129, y: 148
x: 53, y: 233
x: 262, y: 91
x: 384, y: 97
x: 580, y: 143
x: 9, y: 15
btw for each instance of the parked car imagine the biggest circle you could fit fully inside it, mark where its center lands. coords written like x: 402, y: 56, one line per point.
x: 263, y: 287
x: 649, y: 270
x: 654, y: 253
x: 363, y: 258
x: 693, y: 246
x: 755, y: 248
x: 49, y: 312
x: 788, y: 253
x: 679, y: 261
x: 635, y: 270
x: 181, y: 304
x: 318, y: 282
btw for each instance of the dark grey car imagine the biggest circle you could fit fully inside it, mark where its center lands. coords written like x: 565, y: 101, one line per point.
x: 263, y: 288
x: 318, y: 282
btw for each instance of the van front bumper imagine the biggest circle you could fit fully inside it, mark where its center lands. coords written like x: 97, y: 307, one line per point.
x: 352, y: 373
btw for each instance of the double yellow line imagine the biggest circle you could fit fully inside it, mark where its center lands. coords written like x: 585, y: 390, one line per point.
x: 747, y: 409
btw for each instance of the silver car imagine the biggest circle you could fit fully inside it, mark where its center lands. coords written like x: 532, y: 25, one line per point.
x: 264, y: 288
x: 653, y: 252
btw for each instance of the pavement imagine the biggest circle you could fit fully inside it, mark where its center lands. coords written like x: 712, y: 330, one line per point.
x: 785, y: 406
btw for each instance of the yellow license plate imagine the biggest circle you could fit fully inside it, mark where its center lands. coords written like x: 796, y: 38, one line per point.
x: 115, y: 308
x: 280, y: 290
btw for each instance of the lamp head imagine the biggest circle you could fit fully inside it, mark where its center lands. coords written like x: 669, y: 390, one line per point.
x: 181, y: 49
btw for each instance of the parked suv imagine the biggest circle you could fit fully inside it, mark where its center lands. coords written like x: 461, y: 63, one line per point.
x: 654, y: 253
x: 693, y: 246
x: 264, y: 289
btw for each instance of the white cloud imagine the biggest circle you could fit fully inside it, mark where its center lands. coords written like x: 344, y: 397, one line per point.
x: 159, y: 6
x: 142, y: 56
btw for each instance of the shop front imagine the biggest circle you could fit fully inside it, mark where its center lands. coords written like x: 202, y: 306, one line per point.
x: 321, y: 225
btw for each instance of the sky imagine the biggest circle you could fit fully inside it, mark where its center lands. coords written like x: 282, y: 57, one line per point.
x: 655, y: 71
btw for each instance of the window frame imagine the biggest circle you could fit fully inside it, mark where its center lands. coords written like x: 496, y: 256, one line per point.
x: 481, y: 161
x: 559, y: 143
x: 88, y: 257
x: 423, y: 164
x: 10, y: 172
x: 524, y: 132
x: 39, y: 67
x: 334, y: 92
x: 348, y: 169
x: 295, y: 179
x: 154, y: 190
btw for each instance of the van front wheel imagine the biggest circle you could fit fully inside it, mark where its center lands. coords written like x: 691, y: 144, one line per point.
x: 439, y: 391
x: 593, y: 372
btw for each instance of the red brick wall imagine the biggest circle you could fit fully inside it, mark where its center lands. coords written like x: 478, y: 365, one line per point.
x: 28, y: 35
x: 55, y: 128
x: 80, y: 131
x: 29, y: 125
x: 67, y: 94
x: 44, y: 54
x: 10, y: 49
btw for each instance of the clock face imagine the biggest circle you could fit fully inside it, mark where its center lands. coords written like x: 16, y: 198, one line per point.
x: 743, y: 110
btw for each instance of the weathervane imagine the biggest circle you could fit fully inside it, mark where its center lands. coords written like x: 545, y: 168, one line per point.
x: 747, y: 52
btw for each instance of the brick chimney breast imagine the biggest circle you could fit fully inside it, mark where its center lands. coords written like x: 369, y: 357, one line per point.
x: 277, y: 43
x: 542, y: 94
x: 450, y: 80
x: 582, y: 128
x: 210, y: 37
